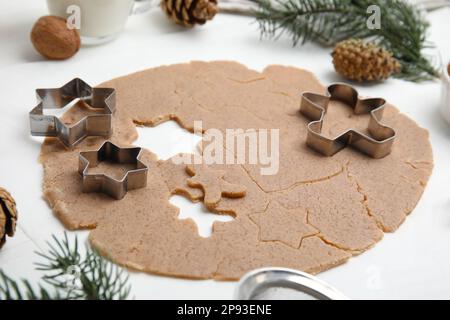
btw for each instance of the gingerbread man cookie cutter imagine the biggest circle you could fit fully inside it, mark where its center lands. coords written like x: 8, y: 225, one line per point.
x: 376, y: 145
x: 100, y: 124
x: 116, y: 188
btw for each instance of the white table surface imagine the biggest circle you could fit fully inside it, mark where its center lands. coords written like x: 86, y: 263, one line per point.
x: 414, y: 262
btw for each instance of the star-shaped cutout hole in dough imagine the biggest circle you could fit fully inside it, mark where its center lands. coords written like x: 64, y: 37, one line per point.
x: 288, y: 226
x: 212, y: 183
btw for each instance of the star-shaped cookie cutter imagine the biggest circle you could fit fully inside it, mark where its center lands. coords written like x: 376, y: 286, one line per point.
x: 314, y: 106
x: 133, y: 179
x: 90, y: 125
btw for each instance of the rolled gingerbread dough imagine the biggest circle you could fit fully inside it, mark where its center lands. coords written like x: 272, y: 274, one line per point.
x: 314, y: 214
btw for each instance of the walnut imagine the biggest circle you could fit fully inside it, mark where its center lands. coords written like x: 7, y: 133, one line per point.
x: 53, y: 40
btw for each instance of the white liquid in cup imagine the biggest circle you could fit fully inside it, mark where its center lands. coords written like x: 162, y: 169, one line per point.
x: 100, y: 19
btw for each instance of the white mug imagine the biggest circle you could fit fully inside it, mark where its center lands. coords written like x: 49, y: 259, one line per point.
x: 97, y: 20
x: 445, y: 98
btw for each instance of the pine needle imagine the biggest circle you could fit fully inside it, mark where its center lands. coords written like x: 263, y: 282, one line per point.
x: 71, y: 275
x: 403, y: 28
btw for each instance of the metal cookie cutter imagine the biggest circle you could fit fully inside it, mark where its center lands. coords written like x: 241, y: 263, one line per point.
x: 314, y: 106
x: 133, y: 179
x: 103, y: 99
x: 258, y: 281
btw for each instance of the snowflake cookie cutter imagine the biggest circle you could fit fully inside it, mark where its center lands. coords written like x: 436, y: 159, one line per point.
x: 376, y: 145
x: 116, y: 188
x: 99, y: 124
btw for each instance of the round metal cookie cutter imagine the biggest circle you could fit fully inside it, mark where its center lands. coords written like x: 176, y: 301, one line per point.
x: 260, y: 280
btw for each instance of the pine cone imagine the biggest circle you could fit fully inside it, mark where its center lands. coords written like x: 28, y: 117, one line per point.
x: 8, y: 216
x: 360, y: 61
x: 190, y: 12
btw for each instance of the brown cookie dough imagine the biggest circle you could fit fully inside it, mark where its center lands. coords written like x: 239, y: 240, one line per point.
x: 314, y: 214
x: 277, y: 223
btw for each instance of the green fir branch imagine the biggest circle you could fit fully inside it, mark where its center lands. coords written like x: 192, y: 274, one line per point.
x: 22, y: 290
x: 71, y: 275
x: 403, y: 28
